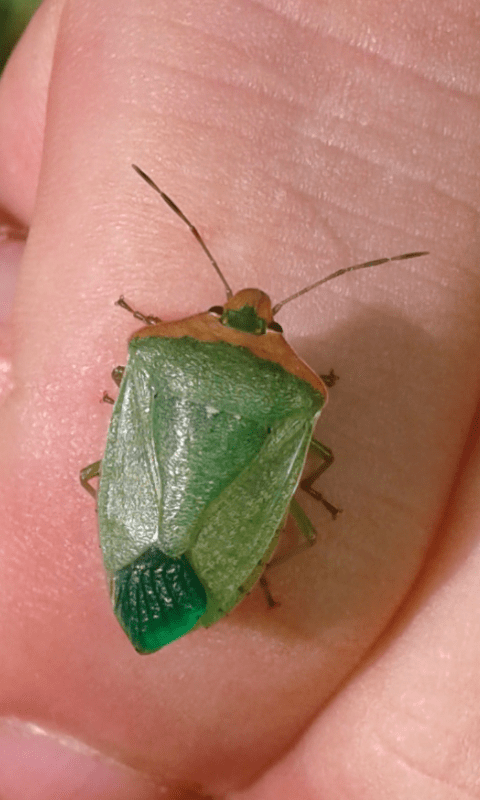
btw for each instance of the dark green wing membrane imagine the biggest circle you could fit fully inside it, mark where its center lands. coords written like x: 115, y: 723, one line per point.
x: 157, y: 599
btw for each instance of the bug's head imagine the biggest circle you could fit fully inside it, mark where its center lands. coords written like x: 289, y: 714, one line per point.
x: 250, y: 311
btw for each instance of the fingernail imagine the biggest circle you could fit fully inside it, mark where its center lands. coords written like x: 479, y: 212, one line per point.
x: 36, y: 765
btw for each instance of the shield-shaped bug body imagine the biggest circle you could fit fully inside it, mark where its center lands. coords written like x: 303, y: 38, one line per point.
x: 206, y: 447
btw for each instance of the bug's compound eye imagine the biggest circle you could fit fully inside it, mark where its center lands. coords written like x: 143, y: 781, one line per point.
x: 217, y: 310
x: 274, y: 326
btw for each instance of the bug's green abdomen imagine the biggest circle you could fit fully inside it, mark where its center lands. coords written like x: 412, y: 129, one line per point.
x: 157, y: 599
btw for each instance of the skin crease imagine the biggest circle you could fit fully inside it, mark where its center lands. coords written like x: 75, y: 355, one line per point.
x: 299, y: 138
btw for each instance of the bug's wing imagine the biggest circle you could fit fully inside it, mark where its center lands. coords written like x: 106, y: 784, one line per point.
x: 130, y: 486
x: 238, y: 530
x: 156, y: 598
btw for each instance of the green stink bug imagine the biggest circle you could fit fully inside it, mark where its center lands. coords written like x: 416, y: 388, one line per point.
x: 206, y: 447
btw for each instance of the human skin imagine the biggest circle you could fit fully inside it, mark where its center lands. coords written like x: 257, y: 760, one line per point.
x: 299, y: 138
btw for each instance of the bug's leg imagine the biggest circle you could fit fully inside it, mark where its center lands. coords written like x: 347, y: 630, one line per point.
x: 330, y: 379
x: 86, y: 475
x: 307, y: 483
x: 147, y: 319
x: 306, y: 529
x: 117, y: 375
x: 271, y: 602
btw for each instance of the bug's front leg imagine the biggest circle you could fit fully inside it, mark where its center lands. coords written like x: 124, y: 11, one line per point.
x: 86, y: 475
x: 147, y: 319
x: 330, y: 379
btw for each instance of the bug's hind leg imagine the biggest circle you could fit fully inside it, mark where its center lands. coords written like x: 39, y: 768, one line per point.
x: 300, y: 518
x: 305, y: 527
x: 309, y: 533
x: 147, y: 319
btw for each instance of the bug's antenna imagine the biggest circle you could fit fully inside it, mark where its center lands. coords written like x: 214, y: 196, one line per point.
x: 339, y: 272
x: 193, y: 229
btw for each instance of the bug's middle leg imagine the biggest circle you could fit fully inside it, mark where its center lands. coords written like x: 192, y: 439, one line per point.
x: 86, y: 475
x: 93, y: 470
x: 307, y: 483
x: 117, y: 375
x: 270, y: 600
